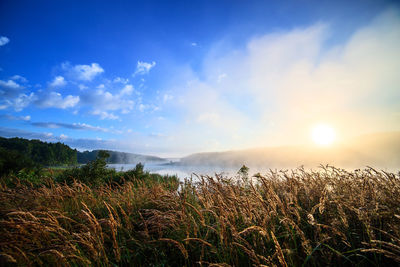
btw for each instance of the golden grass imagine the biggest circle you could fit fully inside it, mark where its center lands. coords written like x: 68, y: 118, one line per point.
x: 286, y: 218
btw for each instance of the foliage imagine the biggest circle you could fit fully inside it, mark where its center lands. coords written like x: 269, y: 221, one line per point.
x: 309, y: 218
x: 11, y: 161
x: 244, y: 173
x: 95, y: 172
x: 39, y: 152
x: 87, y: 156
x: 140, y: 177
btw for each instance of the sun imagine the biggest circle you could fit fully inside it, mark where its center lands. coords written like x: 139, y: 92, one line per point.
x: 323, y: 134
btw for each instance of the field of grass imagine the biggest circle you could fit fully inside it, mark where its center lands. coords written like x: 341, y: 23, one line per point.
x: 288, y: 218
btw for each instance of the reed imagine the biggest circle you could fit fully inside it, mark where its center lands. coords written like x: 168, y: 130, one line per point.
x: 299, y: 217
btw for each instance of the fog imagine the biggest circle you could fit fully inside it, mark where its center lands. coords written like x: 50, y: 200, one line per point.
x: 380, y: 151
x: 376, y: 150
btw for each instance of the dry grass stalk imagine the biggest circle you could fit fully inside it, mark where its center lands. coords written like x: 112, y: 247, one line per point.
x: 278, y: 248
x: 253, y: 228
x: 177, y: 244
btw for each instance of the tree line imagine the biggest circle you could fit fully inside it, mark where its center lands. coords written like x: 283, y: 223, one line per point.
x: 19, y: 153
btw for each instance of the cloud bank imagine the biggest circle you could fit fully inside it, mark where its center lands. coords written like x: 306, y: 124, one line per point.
x: 103, y: 100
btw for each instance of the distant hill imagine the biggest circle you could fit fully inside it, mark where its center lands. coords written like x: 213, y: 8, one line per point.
x: 118, y: 157
x: 381, y: 150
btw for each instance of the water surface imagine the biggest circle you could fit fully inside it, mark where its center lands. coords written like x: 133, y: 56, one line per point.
x: 182, y: 171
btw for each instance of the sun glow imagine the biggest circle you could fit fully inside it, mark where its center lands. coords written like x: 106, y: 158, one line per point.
x: 323, y: 134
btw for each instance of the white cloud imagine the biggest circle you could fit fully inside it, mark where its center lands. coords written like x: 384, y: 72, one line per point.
x: 18, y: 103
x: 221, y: 77
x: 82, y: 87
x: 157, y: 135
x: 85, y: 126
x: 121, y: 80
x: 167, y: 98
x: 82, y: 72
x: 207, y: 118
x: 19, y: 78
x: 144, y: 67
x: 22, y: 101
x: 109, y: 96
x: 104, y: 115
x: 58, y: 81
x: 4, y: 40
x: 127, y: 90
x: 10, y: 88
x: 55, y: 100
x: 9, y: 84
x: 16, y: 118
x: 12, y: 96
x: 92, y: 128
x: 63, y: 136
x: 142, y: 107
x: 193, y: 44
x: 104, y: 101
x: 73, y: 126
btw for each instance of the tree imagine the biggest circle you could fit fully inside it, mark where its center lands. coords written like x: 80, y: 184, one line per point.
x: 41, y: 152
x: 244, y: 174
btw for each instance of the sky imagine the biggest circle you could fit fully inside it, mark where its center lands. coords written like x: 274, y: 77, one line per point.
x: 171, y: 78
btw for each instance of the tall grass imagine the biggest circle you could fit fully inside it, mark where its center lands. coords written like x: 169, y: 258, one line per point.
x: 285, y: 218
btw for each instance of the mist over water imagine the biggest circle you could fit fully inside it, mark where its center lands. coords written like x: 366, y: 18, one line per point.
x: 186, y: 171
x: 182, y: 171
x: 379, y: 151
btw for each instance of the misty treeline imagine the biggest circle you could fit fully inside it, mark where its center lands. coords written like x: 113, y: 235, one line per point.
x: 18, y: 153
x: 116, y: 157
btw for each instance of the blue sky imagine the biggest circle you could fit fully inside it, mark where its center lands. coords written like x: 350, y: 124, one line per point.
x: 176, y: 77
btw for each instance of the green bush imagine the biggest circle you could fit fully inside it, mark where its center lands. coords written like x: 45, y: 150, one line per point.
x: 94, y: 172
x: 139, y: 175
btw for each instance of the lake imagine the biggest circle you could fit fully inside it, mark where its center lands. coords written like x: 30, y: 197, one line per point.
x: 182, y: 171
x: 186, y: 171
